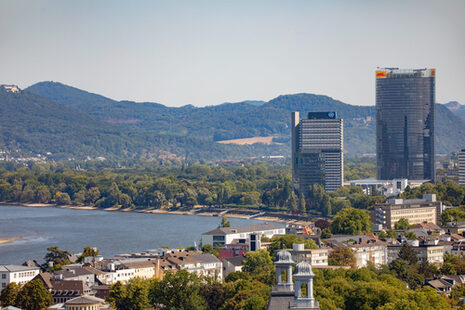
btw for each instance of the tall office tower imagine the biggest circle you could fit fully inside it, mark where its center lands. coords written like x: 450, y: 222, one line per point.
x: 317, y: 156
x: 462, y: 167
x: 405, y: 123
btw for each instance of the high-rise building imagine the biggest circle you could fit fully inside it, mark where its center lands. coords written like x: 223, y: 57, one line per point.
x: 405, y: 123
x: 317, y: 156
x: 462, y: 167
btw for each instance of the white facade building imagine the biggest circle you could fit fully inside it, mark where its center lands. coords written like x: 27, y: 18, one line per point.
x: 226, y: 235
x: 16, y: 273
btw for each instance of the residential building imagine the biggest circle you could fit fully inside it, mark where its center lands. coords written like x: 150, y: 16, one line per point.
x: 369, y: 251
x: 427, y: 250
x: 144, y: 269
x: 226, y: 235
x: 444, y: 284
x: 416, y: 211
x: 317, y: 258
x: 317, y: 156
x: 462, y: 167
x: 112, y: 272
x: 16, y: 273
x: 405, y: 116
x: 76, y: 273
x: 64, y: 290
x: 194, y: 262
x: 232, y: 264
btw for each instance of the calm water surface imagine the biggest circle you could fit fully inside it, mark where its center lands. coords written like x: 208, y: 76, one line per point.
x: 111, y: 232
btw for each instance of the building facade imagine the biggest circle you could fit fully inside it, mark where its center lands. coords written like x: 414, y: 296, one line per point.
x: 462, y: 167
x: 317, y: 156
x: 15, y: 273
x: 405, y: 129
x: 227, y: 235
x: 416, y: 211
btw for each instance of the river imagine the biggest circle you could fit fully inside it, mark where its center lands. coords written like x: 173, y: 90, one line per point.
x: 111, y: 232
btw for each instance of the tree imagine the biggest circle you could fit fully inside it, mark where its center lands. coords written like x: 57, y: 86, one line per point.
x: 180, y: 290
x: 326, y: 233
x: 343, y: 256
x: 9, y: 294
x: 62, y: 199
x: 137, y: 291
x: 391, y: 233
x: 382, y: 235
x: 259, y: 265
x: 293, y: 202
x: 57, y: 256
x: 402, y: 224
x: 351, y: 221
x: 88, y: 252
x: 286, y: 242
x: 410, y: 235
x: 225, y: 222
x: 34, y: 296
x: 408, y: 254
x: 302, y: 207
x: 117, y: 297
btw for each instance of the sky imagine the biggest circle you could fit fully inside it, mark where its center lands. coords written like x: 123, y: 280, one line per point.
x: 209, y: 52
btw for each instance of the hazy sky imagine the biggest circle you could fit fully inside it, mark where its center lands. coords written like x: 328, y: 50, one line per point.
x: 209, y: 52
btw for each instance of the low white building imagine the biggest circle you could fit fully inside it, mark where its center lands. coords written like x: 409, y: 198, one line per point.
x: 226, y: 235
x: 114, y: 273
x: 314, y: 257
x: 373, y: 251
x: 194, y: 262
x: 16, y: 273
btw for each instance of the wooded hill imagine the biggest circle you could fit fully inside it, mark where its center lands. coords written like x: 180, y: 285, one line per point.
x: 89, y: 124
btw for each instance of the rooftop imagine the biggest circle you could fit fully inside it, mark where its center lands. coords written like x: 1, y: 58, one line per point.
x: 16, y: 268
x: 243, y: 229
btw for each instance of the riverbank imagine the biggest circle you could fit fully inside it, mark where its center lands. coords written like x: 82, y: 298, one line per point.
x: 194, y: 211
x: 8, y: 240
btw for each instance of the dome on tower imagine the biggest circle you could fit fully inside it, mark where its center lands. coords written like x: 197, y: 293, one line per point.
x: 284, y: 256
x: 303, y: 269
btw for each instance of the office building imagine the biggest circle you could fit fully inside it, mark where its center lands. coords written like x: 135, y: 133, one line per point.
x: 462, y: 167
x: 405, y: 123
x: 317, y: 156
x: 416, y: 211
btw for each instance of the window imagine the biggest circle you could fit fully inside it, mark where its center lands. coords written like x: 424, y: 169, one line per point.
x: 3, y: 276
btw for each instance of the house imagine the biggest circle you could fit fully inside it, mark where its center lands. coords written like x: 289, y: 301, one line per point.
x: 64, y: 290
x: 16, y: 273
x: 315, y: 257
x: 76, y: 273
x: 144, y: 269
x: 427, y: 228
x: 194, y: 262
x: 444, y: 284
x: 232, y: 264
x: 366, y: 248
x: 226, y: 235
x: 426, y: 250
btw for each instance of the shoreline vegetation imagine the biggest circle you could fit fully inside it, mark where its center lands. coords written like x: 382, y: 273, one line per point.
x: 193, y: 211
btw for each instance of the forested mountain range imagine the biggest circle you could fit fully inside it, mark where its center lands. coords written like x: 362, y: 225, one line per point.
x: 148, y: 129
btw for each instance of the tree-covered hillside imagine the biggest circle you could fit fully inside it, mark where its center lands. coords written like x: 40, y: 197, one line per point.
x: 243, y: 119
x: 30, y: 124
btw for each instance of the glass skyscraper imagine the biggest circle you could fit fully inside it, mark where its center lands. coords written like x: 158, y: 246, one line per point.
x: 405, y: 123
x: 317, y: 156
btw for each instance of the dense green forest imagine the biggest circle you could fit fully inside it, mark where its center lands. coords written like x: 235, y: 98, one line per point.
x: 254, y: 185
